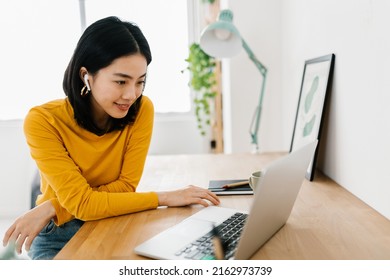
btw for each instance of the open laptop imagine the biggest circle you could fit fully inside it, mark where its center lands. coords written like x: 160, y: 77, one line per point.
x: 273, y: 201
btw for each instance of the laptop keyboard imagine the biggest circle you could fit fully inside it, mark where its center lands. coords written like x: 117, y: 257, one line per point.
x: 229, y: 232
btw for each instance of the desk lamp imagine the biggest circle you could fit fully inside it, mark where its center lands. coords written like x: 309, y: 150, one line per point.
x: 221, y: 39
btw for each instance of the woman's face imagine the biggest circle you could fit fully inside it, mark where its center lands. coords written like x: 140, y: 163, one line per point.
x: 116, y: 87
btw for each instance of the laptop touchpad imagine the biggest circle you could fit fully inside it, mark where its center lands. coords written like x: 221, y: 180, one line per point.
x: 193, y: 227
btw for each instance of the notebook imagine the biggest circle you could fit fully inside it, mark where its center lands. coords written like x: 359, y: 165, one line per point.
x: 216, y: 186
x: 273, y: 202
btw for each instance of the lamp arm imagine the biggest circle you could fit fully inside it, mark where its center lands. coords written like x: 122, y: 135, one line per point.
x: 259, y: 65
x: 254, y: 127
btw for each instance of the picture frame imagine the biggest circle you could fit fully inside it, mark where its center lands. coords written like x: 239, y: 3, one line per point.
x: 315, y: 88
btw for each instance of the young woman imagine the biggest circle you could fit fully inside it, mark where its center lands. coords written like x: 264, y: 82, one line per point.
x: 90, y: 147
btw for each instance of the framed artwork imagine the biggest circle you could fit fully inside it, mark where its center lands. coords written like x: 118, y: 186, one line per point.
x: 315, y: 87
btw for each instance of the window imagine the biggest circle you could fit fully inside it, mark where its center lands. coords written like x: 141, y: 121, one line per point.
x: 38, y: 39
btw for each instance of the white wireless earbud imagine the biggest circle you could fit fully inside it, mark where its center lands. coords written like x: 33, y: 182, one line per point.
x: 86, y: 82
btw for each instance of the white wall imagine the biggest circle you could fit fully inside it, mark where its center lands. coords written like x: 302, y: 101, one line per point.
x: 259, y: 23
x: 356, y: 145
x: 175, y: 134
x: 17, y: 170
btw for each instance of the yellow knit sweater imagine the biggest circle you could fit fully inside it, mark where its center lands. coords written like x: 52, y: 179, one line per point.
x: 86, y: 176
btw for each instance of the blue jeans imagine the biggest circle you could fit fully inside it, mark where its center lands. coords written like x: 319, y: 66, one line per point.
x: 52, y: 239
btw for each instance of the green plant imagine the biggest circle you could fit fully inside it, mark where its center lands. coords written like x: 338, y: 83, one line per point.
x: 201, y: 67
x: 208, y: 1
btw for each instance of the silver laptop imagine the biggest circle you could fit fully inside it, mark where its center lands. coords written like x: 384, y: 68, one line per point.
x: 273, y: 201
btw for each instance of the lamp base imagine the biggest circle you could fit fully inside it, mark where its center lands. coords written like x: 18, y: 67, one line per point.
x: 255, y: 149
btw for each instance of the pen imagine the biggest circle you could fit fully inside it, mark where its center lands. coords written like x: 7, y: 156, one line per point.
x: 235, y: 185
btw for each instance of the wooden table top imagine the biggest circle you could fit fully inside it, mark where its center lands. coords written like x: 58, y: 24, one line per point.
x: 326, y: 223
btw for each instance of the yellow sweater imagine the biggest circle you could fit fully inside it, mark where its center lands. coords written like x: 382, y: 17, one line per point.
x: 86, y: 176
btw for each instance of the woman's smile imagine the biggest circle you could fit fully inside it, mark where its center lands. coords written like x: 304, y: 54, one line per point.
x: 122, y: 106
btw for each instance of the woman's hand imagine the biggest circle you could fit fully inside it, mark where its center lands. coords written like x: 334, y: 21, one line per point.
x: 187, y: 196
x: 26, y: 227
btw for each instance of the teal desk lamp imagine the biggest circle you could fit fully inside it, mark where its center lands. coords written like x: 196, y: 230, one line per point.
x: 221, y: 39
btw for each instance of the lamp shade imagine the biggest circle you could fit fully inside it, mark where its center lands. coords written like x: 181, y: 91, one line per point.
x: 221, y: 38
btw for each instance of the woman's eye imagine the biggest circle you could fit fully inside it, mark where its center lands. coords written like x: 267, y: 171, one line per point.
x: 121, y: 82
x: 141, y: 83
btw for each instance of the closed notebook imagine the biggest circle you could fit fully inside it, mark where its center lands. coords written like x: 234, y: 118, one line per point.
x: 216, y: 186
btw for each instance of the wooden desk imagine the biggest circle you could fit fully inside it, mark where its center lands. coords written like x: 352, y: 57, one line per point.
x: 327, y: 221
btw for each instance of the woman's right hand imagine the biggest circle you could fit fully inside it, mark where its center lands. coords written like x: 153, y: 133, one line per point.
x: 27, y: 227
x: 186, y: 196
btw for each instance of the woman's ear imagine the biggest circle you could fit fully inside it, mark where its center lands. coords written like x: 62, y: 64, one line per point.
x: 84, y: 76
x: 82, y: 72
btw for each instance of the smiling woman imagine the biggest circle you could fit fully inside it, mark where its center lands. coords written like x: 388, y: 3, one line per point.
x: 91, y: 147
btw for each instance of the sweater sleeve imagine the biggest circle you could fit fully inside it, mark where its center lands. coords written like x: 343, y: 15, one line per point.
x: 73, y: 196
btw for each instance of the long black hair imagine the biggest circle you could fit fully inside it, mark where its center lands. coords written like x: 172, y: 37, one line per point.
x: 101, y: 43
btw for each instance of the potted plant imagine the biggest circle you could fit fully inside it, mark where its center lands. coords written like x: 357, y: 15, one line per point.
x: 201, y: 67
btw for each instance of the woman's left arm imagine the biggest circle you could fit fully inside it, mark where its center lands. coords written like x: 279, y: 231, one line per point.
x: 26, y: 227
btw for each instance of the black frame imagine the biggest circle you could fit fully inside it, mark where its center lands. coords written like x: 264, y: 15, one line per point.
x: 317, y: 73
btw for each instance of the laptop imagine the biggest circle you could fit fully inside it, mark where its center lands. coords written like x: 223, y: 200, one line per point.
x: 272, y: 204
